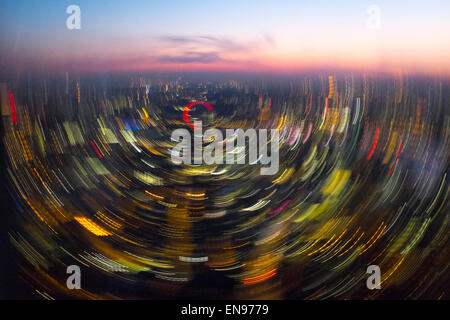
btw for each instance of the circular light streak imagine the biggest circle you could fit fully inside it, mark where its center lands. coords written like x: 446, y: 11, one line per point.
x: 188, y: 108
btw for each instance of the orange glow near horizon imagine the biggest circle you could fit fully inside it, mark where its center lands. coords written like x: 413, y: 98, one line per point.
x: 327, y: 39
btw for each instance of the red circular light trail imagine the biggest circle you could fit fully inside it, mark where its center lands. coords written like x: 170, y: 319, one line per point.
x: 188, y: 108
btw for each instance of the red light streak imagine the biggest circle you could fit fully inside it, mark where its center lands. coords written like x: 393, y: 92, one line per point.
x: 13, y: 108
x: 263, y: 277
x: 280, y: 208
x: 99, y: 155
x: 398, y: 155
x: 377, y: 133
x: 188, y: 108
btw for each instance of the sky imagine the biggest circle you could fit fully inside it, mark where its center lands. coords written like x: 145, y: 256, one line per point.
x: 242, y: 36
